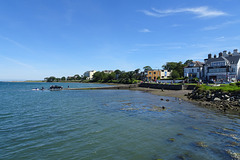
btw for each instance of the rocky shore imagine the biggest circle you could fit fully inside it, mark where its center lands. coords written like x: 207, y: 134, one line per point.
x: 223, y: 101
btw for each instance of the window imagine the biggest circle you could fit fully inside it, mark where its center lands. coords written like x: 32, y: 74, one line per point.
x: 215, y: 64
x: 192, y: 70
x: 154, y: 72
x: 198, y: 70
x: 217, y: 70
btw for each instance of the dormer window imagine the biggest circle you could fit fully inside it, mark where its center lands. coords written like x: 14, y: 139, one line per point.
x: 215, y: 64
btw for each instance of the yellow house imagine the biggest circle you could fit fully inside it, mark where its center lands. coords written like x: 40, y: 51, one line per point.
x: 153, y: 75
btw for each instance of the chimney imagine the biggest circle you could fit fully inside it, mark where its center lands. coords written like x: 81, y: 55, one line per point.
x: 229, y: 52
x: 209, y: 56
x: 221, y: 54
x: 235, y: 51
x: 215, y: 56
x: 224, y: 52
x: 205, y: 61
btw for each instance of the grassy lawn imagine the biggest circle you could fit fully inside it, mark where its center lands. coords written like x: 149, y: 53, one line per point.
x: 233, y: 87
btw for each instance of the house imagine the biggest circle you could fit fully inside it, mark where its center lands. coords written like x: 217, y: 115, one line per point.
x: 89, y: 74
x: 153, y: 75
x: 225, y: 67
x: 108, y: 71
x: 194, y: 70
x: 165, y: 74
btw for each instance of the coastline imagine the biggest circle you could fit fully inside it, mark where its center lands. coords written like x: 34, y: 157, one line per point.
x: 167, y: 93
x: 182, y: 94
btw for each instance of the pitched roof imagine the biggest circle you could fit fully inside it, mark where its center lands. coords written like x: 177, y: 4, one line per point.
x: 196, y: 64
x: 231, y: 59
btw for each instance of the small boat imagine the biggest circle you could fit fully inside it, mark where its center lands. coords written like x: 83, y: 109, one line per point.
x: 35, y: 89
x: 55, y: 88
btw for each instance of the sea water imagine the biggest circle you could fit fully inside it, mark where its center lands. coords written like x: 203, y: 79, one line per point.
x: 110, y: 124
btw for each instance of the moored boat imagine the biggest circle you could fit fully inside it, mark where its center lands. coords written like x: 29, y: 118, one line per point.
x: 55, y: 88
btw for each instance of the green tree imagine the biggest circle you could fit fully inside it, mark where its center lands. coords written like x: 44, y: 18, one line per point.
x: 175, y: 74
x: 63, y: 78
x: 137, y: 74
x: 170, y: 66
x: 147, y: 68
x: 51, y: 79
x: 99, y: 77
x: 111, y: 76
x: 118, y: 73
x: 77, y: 77
x: 175, y: 66
x: 188, y: 62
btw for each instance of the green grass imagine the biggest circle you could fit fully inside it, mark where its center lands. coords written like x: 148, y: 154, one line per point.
x: 234, y: 87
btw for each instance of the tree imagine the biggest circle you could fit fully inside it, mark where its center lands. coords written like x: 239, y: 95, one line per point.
x: 118, y: 73
x: 99, y: 76
x: 147, y: 68
x: 63, y: 78
x: 175, y: 66
x: 170, y: 66
x: 137, y: 74
x: 77, y: 77
x: 51, y: 79
x: 137, y: 71
x: 175, y: 74
x: 188, y: 62
x: 110, y: 77
x: 130, y: 76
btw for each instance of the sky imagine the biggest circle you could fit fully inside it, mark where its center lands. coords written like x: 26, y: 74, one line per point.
x: 42, y: 38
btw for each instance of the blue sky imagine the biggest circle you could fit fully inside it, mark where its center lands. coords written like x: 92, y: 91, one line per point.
x: 42, y: 38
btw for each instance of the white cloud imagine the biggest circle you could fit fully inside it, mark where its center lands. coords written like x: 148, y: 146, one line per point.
x: 220, y: 38
x: 203, y: 11
x: 144, y: 30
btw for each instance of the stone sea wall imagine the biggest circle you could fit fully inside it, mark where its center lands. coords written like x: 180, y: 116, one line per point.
x: 223, y: 101
x: 167, y: 86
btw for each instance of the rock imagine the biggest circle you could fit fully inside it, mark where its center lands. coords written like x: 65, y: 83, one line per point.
x: 179, y: 134
x: 227, y: 96
x: 167, y: 100
x: 217, y: 99
x: 161, y: 99
x: 232, y: 144
x: 184, y: 156
x: 171, y: 139
x: 233, y: 155
x: 201, y: 144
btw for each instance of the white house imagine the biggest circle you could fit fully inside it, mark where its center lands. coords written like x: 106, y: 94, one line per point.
x: 225, y: 67
x: 89, y: 74
x: 108, y: 71
x: 165, y: 74
x: 194, y: 70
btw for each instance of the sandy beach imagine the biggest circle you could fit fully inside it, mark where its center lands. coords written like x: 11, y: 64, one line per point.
x: 167, y: 93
